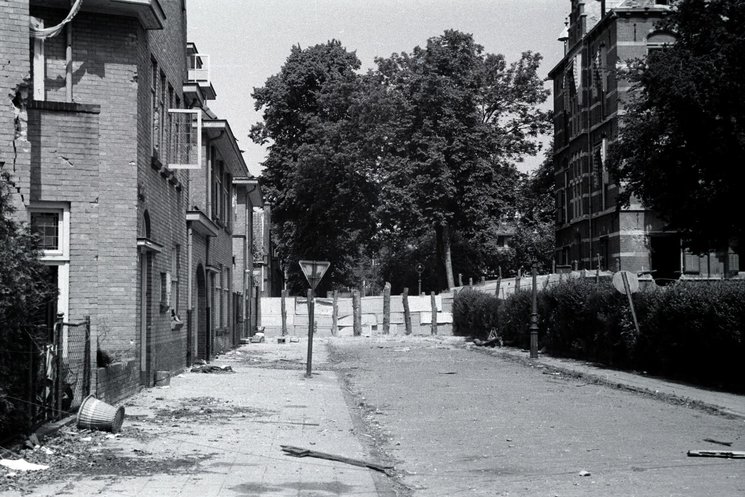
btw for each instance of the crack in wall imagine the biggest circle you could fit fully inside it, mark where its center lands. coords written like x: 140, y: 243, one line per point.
x: 19, y: 100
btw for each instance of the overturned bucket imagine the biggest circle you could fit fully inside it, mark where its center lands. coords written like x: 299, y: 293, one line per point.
x: 98, y: 415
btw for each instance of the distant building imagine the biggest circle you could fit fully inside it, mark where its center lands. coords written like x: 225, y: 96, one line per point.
x: 589, y: 99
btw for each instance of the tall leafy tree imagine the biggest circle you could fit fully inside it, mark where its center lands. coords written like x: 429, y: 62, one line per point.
x: 682, y: 146
x: 315, y: 174
x: 462, y: 118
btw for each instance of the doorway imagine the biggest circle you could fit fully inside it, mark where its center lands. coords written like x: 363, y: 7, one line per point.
x: 201, y: 317
x: 665, y: 255
x: 145, y: 317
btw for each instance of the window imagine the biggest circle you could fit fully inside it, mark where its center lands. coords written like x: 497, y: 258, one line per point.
x: 51, y: 222
x: 574, y: 177
x: 218, y: 189
x: 162, y: 137
x: 170, y: 140
x: 165, y: 291
x: 227, y: 199
x: 218, y: 299
x: 225, y: 312
x: 175, y: 270
x: 46, y: 225
x: 155, y: 127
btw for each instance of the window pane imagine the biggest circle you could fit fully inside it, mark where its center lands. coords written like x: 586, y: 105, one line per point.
x: 46, y: 225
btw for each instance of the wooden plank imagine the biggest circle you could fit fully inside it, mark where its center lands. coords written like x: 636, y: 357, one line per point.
x: 727, y: 454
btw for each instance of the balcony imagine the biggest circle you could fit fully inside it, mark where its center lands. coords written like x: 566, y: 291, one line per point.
x: 199, y: 77
x: 149, y: 12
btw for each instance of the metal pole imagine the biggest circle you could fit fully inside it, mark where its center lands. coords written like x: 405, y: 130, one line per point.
x: 534, y: 318
x: 310, y: 334
x: 420, y: 284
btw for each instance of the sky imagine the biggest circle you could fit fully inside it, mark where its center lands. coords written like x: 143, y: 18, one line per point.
x: 249, y: 40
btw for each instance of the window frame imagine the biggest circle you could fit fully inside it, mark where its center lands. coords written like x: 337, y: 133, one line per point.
x: 62, y: 253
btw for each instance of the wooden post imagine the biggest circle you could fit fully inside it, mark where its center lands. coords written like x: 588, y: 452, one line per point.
x: 597, y: 271
x: 335, y: 314
x: 499, y: 282
x: 407, y: 313
x: 311, y: 326
x: 58, y: 340
x: 386, y: 308
x: 434, y: 313
x: 470, y: 282
x: 284, y: 312
x: 460, y: 279
x: 627, y: 289
x: 357, y: 313
x: 517, y: 282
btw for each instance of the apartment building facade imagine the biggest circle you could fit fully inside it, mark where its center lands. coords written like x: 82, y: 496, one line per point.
x: 590, y: 92
x: 104, y: 139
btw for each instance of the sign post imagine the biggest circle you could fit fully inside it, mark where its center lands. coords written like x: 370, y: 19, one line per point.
x: 313, y: 271
x: 628, y: 283
x: 420, y: 270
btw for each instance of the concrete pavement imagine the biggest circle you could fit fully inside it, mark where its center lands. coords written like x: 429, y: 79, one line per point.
x: 721, y: 402
x: 220, y: 434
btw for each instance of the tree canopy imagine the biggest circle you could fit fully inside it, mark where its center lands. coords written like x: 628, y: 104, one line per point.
x: 682, y: 145
x: 412, y: 162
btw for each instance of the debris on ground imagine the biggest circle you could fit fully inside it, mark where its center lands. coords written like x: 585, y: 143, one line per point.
x: 718, y: 442
x: 300, y: 452
x: 584, y: 473
x: 726, y: 454
x: 211, y: 368
x: 487, y: 343
x: 22, y: 465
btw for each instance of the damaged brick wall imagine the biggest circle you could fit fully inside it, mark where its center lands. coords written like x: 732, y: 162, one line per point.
x: 15, y: 70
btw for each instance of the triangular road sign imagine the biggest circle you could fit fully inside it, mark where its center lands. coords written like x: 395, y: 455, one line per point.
x: 314, y: 271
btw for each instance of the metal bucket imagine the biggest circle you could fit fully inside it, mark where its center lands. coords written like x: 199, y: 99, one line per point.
x: 98, y: 415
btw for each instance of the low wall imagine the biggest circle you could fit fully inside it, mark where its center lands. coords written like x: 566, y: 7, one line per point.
x: 270, y: 317
x: 117, y: 381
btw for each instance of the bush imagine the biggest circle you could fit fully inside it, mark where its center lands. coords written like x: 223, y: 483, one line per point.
x: 689, y: 330
x: 474, y: 314
x: 24, y: 291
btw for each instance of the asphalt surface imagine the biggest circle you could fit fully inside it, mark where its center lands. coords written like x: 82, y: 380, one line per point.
x: 460, y: 422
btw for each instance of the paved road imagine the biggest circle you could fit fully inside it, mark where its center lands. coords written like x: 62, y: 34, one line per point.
x: 459, y: 422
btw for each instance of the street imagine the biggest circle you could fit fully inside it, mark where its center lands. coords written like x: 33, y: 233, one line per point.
x: 460, y: 422
x: 451, y: 419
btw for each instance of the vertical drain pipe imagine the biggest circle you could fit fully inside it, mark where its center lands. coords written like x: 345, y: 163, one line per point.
x: 68, y: 62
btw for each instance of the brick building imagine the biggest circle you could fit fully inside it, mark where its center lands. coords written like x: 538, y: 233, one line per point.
x: 589, y: 98
x: 103, y: 144
x: 220, y: 226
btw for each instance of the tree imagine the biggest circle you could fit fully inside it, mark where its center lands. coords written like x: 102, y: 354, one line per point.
x: 682, y: 146
x: 315, y: 175
x: 463, y: 118
x: 535, y: 239
x: 24, y: 292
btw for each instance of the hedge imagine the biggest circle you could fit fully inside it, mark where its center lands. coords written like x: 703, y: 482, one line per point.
x: 691, y: 331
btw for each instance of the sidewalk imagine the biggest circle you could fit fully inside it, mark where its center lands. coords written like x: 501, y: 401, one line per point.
x: 721, y: 402
x: 220, y: 434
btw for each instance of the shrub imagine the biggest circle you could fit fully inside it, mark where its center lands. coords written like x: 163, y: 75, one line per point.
x: 690, y: 330
x: 474, y: 314
x: 24, y: 291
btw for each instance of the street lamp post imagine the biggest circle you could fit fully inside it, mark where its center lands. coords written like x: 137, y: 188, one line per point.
x: 534, y: 317
x: 419, y: 270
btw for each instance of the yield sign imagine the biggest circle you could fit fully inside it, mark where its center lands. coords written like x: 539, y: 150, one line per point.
x: 314, y: 271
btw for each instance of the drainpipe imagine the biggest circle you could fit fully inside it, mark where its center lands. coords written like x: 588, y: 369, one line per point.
x: 68, y: 62
x: 189, y: 283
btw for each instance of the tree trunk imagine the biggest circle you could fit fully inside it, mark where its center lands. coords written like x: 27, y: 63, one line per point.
x: 447, y: 258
